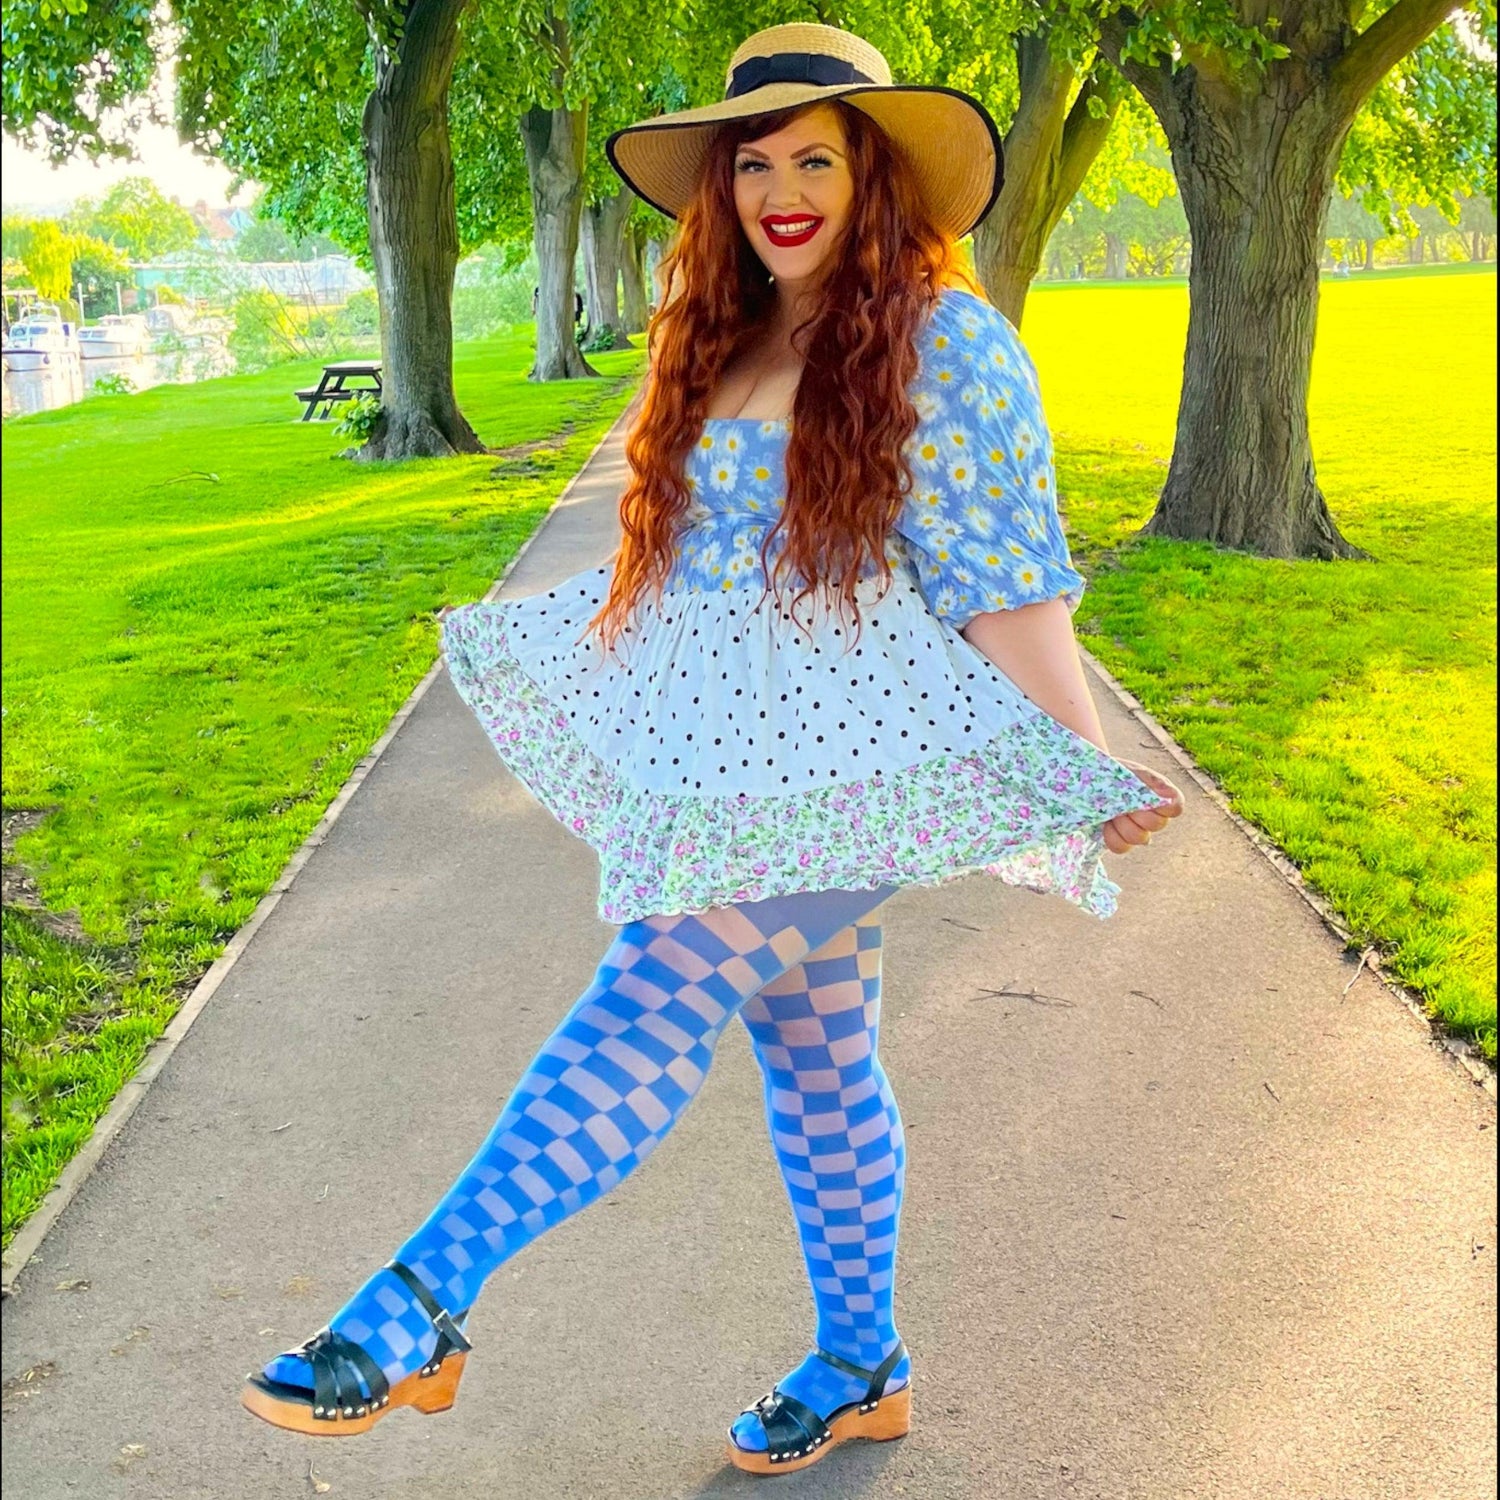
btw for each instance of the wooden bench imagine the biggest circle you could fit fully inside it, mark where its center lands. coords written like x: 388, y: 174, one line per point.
x: 334, y: 387
x: 317, y: 395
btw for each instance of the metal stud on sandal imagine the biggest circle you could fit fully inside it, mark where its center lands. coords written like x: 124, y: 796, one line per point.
x: 797, y: 1436
x: 336, y: 1406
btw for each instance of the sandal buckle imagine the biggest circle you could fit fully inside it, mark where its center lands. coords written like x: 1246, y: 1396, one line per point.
x: 451, y: 1331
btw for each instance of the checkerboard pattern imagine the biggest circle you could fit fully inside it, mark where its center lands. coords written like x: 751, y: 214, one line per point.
x: 837, y: 1134
x: 598, y: 1098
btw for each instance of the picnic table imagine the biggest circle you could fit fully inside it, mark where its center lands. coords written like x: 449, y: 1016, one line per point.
x: 335, y: 386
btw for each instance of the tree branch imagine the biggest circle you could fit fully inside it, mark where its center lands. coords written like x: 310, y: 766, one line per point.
x: 1376, y: 50
x: 1082, y: 138
x: 1152, y: 79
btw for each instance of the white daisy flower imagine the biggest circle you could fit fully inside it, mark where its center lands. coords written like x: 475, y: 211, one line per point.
x: 926, y: 453
x: 722, y: 475
x: 962, y: 473
x: 981, y: 519
x: 1029, y: 579
x: 945, y: 600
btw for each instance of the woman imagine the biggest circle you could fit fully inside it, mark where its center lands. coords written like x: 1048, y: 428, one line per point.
x: 758, y: 777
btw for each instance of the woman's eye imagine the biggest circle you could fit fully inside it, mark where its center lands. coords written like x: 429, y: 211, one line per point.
x: 747, y: 163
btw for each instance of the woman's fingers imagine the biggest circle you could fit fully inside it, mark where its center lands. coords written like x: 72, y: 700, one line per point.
x: 1127, y: 830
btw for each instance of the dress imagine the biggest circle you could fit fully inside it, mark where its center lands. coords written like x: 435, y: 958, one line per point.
x: 722, y: 754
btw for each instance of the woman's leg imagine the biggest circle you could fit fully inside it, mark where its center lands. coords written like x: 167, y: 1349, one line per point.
x: 606, y: 1087
x: 837, y: 1135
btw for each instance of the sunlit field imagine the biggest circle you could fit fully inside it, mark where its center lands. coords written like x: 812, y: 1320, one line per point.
x: 1347, y: 708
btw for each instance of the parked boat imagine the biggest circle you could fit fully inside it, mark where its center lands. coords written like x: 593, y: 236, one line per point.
x: 115, y: 336
x: 39, y: 340
x: 169, y: 321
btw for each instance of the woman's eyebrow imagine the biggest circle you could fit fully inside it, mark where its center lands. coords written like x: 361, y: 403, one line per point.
x: 800, y: 151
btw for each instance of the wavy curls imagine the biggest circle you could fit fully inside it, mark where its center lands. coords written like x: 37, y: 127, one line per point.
x: 846, y: 474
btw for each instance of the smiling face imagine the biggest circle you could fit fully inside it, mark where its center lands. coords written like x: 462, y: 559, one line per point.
x: 793, y: 191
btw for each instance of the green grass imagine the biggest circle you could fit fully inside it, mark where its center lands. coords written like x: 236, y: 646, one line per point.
x: 208, y: 621
x: 1348, y: 709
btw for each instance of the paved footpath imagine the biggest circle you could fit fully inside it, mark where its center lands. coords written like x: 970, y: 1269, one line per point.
x: 1184, y: 1218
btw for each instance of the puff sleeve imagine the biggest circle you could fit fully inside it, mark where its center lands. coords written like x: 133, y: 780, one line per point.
x: 981, y: 524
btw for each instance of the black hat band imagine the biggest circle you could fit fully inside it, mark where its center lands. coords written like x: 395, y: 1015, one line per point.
x: 816, y: 68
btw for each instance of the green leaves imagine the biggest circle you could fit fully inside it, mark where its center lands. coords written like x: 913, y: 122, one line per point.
x: 77, y: 78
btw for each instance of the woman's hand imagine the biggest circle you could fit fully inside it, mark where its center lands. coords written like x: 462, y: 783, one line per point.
x: 1123, y: 833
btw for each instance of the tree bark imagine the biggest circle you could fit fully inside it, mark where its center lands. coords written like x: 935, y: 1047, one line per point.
x: 554, y: 141
x: 1114, y: 257
x: 603, y: 256
x: 1255, y: 183
x: 414, y: 238
x: 633, y: 280
x: 1048, y: 150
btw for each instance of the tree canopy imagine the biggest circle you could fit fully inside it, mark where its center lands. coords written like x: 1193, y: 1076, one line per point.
x: 137, y: 218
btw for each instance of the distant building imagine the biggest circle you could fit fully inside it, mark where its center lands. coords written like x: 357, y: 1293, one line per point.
x: 330, y: 279
x: 219, y: 226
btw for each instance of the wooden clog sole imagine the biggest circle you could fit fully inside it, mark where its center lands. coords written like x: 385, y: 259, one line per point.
x: 891, y: 1419
x: 428, y: 1394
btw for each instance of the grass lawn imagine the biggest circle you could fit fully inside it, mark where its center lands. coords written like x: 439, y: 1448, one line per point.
x: 208, y: 621
x: 1348, y: 708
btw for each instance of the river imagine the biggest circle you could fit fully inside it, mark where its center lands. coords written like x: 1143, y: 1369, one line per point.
x: 71, y: 379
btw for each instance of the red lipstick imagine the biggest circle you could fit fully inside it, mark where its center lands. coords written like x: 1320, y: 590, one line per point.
x: 772, y: 223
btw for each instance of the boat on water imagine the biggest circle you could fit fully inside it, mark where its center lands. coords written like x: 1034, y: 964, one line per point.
x: 169, y: 321
x: 38, y: 340
x: 115, y: 336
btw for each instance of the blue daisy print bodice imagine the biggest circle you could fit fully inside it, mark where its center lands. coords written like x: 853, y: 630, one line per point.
x: 979, y: 531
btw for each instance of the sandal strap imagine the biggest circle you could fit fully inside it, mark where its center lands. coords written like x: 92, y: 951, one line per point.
x: 792, y: 1427
x: 337, y: 1364
x: 877, y: 1377
x: 450, y: 1335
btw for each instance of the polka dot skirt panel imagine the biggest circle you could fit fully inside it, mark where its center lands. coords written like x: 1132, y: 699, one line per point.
x: 718, y: 693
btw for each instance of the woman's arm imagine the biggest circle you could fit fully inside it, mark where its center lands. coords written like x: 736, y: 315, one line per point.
x: 1035, y: 647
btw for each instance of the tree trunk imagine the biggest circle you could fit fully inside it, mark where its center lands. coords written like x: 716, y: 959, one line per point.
x: 656, y: 251
x: 1255, y: 182
x: 1114, y: 257
x: 554, y: 141
x: 633, y: 280
x: 414, y: 238
x: 603, y: 253
x: 1047, y: 150
x: 1369, y: 255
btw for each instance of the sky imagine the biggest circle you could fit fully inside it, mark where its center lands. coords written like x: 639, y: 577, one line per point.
x: 31, y: 181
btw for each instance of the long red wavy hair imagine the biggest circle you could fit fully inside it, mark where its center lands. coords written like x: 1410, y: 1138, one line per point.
x: 846, y: 474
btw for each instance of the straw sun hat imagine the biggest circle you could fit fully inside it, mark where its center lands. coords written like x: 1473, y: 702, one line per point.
x: 947, y: 137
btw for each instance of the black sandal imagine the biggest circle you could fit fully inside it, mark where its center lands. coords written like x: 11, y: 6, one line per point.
x: 336, y: 1407
x: 797, y: 1436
